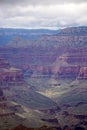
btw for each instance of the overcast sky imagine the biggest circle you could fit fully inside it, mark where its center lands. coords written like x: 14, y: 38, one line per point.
x: 51, y: 14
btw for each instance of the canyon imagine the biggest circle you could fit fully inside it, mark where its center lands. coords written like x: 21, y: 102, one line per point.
x: 43, y: 81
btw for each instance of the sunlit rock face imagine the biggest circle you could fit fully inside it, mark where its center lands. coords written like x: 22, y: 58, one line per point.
x: 83, y: 73
x: 12, y: 74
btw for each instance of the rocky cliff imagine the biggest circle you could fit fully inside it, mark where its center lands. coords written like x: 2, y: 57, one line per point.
x: 8, y: 73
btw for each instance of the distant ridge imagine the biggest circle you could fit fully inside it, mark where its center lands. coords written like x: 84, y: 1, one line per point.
x: 43, y: 37
x: 81, y: 30
x: 7, y: 34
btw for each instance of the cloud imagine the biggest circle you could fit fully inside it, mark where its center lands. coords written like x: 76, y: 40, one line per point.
x: 39, y: 2
x: 42, y: 14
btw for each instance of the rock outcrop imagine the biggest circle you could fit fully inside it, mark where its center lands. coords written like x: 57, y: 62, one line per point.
x: 9, y: 74
x: 3, y: 63
x: 82, y: 73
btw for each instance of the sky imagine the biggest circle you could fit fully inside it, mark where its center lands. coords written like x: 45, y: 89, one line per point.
x: 50, y: 14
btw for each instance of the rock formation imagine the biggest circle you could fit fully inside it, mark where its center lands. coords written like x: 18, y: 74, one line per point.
x: 9, y: 74
x: 82, y: 73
